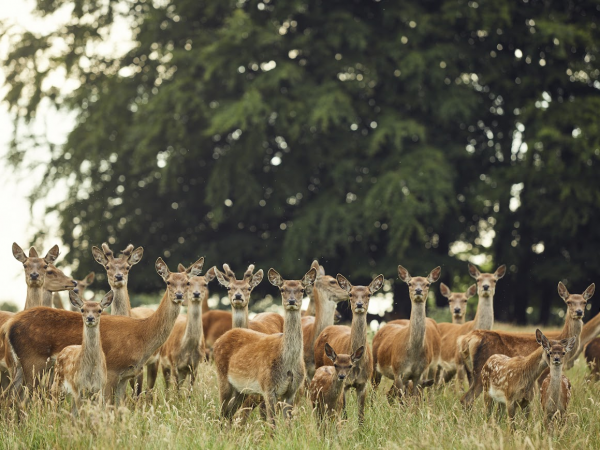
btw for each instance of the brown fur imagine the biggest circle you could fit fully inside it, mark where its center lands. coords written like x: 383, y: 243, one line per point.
x: 479, y: 345
x: 409, y: 353
x: 592, y: 357
x: 590, y: 330
x: 349, y: 339
x: 79, y: 289
x: 556, y: 388
x: 249, y: 362
x: 36, y: 336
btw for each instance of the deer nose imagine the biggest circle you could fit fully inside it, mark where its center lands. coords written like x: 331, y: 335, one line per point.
x: 341, y: 376
x: 34, y: 275
x: 360, y: 305
x: 76, y: 290
x: 579, y: 312
x: 178, y: 295
x: 90, y: 318
x: 238, y: 296
x: 196, y: 294
x: 418, y: 291
x: 456, y: 310
x: 74, y: 283
x: 119, y: 277
x: 485, y: 287
x: 292, y: 302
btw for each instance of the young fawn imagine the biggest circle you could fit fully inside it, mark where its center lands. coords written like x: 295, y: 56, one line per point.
x: 556, y: 388
x: 326, y: 389
x: 80, y: 370
x: 511, y: 381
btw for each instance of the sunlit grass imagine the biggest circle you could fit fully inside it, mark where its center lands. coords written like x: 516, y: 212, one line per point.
x: 190, y: 419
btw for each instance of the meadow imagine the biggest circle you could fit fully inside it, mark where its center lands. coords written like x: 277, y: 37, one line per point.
x: 190, y: 419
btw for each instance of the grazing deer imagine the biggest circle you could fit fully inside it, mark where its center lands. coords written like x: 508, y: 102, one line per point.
x: 249, y: 362
x: 349, y: 339
x: 80, y: 370
x: 408, y: 353
x: 510, y: 381
x: 592, y: 357
x: 184, y: 350
x: 481, y: 344
x: 326, y: 294
x: 36, y: 336
x: 35, y: 272
x: 327, y: 386
x: 556, y: 388
x: 79, y: 289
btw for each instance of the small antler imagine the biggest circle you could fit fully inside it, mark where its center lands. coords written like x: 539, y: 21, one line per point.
x: 248, y: 272
x: 107, y: 251
x: 128, y: 250
x: 228, y: 271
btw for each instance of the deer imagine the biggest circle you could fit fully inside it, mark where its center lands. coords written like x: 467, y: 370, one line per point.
x: 510, y: 381
x: 271, y: 365
x: 592, y: 357
x: 481, y: 344
x: 556, y: 388
x: 349, y: 339
x: 327, y: 386
x: 36, y: 336
x: 184, y: 350
x: 326, y: 294
x: 408, y: 353
x: 35, y: 272
x: 80, y: 288
x: 80, y: 370
x: 590, y: 330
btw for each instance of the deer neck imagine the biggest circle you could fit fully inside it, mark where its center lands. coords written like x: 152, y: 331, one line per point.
x: 484, y: 317
x: 159, y: 325
x: 292, y: 347
x: 571, y: 328
x: 121, y: 305
x: 312, y: 309
x: 35, y: 296
x: 205, y: 307
x: 193, y: 327
x: 554, y: 388
x: 416, y: 327
x: 91, y: 350
x: 324, y: 311
x: 533, y: 366
x: 590, y: 330
x: 459, y: 321
x: 239, y: 317
x: 358, y: 332
x: 47, y: 299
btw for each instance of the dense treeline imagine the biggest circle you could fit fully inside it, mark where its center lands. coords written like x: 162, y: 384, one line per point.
x: 362, y: 133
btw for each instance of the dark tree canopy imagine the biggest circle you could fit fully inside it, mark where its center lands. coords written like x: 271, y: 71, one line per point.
x: 364, y: 133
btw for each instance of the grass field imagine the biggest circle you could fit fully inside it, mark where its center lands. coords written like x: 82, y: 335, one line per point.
x: 191, y: 420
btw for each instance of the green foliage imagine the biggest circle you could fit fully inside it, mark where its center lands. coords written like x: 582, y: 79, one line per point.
x: 365, y: 134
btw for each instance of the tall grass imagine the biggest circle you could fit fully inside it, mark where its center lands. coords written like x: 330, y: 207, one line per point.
x: 190, y: 419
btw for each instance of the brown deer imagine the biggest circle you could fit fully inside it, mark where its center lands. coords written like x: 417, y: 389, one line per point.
x: 510, y: 381
x: 35, y: 272
x: 249, y: 362
x: 409, y: 353
x: 36, y: 336
x: 326, y: 294
x: 590, y: 330
x: 80, y: 370
x: 327, y: 386
x: 592, y: 357
x: 82, y: 285
x: 184, y: 350
x: 556, y: 388
x: 481, y: 344
x: 457, y: 302
x: 349, y: 339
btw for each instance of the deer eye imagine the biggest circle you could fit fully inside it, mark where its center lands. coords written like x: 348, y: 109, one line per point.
x: 168, y: 283
x: 188, y: 283
x: 50, y: 273
x: 46, y: 266
x: 99, y: 311
x: 81, y: 309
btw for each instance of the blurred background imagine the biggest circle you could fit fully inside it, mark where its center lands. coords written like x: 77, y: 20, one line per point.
x: 365, y: 134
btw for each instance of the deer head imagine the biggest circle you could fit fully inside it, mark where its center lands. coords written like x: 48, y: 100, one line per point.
x: 360, y: 295
x: 90, y: 310
x: 328, y: 284
x: 418, y: 287
x: 555, y: 351
x: 486, y: 282
x: 117, y: 269
x: 576, y: 303
x: 458, y: 300
x: 82, y: 285
x: 239, y: 291
x: 35, y: 267
x: 343, y: 363
x: 178, y: 283
x: 292, y: 291
x: 198, y: 290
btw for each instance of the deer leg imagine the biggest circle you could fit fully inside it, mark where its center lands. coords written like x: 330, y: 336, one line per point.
x: 489, y: 404
x: 361, y: 395
x: 376, y: 379
x: 271, y: 401
x: 448, y: 375
x: 167, y: 376
x: 75, y: 403
x: 510, y: 411
x: 151, y: 373
x: 120, y: 391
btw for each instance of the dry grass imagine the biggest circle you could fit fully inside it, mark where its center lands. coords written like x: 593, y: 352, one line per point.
x: 191, y: 420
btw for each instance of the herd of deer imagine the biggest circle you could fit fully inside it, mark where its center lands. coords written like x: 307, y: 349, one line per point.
x: 278, y: 357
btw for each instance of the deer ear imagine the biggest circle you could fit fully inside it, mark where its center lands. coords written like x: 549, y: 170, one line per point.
x: 472, y: 291
x: 358, y: 353
x: 136, y: 256
x: 107, y: 299
x: 330, y: 352
x: 274, y: 278
x: 210, y: 274
x: 445, y: 290
x: 99, y: 256
x: 434, y: 275
x: 403, y: 274
x: 162, y: 269
x: 569, y: 344
x: 562, y: 291
x: 309, y: 278
x: 500, y: 272
x: 541, y: 339
x: 376, y: 284
x: 52, y: 255
x: 589, y: 292
x: 181, y: 268
x: 222, y: 278
x: 33, y: 253
x: 18, y: 253
x: 256, y: 279
x: 195, y: 269
x: 75, y: 300
x: 474, y: 271
x: 343, y: 282
x: 89, y: 278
